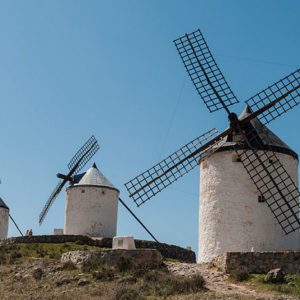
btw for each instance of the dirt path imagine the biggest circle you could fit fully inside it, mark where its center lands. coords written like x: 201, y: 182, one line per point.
x: 218, y: 282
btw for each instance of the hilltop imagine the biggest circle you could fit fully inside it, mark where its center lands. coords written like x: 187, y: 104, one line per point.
x: 34, y: 271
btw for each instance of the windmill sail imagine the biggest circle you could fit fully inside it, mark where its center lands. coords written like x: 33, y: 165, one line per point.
x: 204, y: 72
x: 265, y: 169
x: 50, y: 201
x: 149, y: 183
x: 79, y: 160
x: 289, y: 84
x: 272, y: 180
x: 84, y: 154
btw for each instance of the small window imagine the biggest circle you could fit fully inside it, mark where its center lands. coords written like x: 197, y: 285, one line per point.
x: 204, y: 164
x: 82, y: 191
x: 261, y: 199
x: 236, y: 158
x: 120, y: 243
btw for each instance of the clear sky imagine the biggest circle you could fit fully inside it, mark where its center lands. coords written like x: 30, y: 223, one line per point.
x: 70, y: 69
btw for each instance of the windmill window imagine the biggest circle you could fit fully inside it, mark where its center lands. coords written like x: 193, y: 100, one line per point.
x: 103, y: 192
x: 82, y: 191
x: 236, y: 158
x: 261, y: 199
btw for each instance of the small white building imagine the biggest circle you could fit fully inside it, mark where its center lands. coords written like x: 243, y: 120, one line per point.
x: 231, y: 215
x: 91, y: 205
x: 4, y: 216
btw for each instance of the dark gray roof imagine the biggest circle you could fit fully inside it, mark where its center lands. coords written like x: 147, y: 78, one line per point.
x: 92, y: 177
x: 263, y: 134
x: 2, y: 204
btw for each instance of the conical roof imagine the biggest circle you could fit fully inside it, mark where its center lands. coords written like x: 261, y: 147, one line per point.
x: 263, y: 134
x: 2, y: 204
x: 93, y: 177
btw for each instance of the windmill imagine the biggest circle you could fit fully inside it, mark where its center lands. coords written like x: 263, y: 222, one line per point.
x: 79, y: 160
x: 248, y: 139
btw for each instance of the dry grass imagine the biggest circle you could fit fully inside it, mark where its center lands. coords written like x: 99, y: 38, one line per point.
x: 239, y: 276
x: 34, y: 271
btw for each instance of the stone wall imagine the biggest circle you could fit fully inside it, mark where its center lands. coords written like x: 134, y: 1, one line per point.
x: 167, y: 251
x: 145, y: 257
x: 258, y: 262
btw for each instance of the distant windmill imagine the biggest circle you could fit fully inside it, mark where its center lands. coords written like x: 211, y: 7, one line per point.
x: 233, y: 212
x: 4, y: 215
x: 79, y: 160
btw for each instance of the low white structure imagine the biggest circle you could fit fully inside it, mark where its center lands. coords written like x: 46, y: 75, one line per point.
x: 58, y: 231
x: 91, y: 205
x: 123, y: 242
x: 4, y: 216
x: 231, y: 215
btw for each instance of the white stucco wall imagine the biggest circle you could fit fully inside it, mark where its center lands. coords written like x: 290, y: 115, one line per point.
x: 91, y: 211
x: 4, y: 215
x: 230, y: 216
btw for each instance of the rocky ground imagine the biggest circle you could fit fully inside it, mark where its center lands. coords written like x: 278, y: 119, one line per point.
x: 220, y: 283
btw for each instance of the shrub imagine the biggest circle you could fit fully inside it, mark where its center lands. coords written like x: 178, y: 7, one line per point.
x: 2, y: 259
x: 66, y: 246
x: 78, y: 242
x: 104, y: 274
x: 125, y: 293
x: 165, y: 284
x: 191, y: 284
x: 41, y: 251
x: 239, y: 276
x: 140, y: 271
x: 90, y: 266
x: 37, y: 273
x: 54, y: 255
x: 283, y: 288
x: 69, y: 265
x: 15, y: 255
x: 124, y: 264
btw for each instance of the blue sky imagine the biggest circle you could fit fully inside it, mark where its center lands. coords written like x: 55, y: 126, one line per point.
x: 70, y: 69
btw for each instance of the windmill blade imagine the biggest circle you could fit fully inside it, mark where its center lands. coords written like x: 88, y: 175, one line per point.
x: 286, y: 89
x: 79, y: 160
x: 84, y: 154
x: 149, y: 183
x: 204, y: 72
x: 272, y: 181
x: 51, y: 199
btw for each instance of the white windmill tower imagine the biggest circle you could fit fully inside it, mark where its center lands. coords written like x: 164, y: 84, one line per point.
x: 249, y: 197
x: 4, y: 216
x: 233, y: 215
x: 92, y: 205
